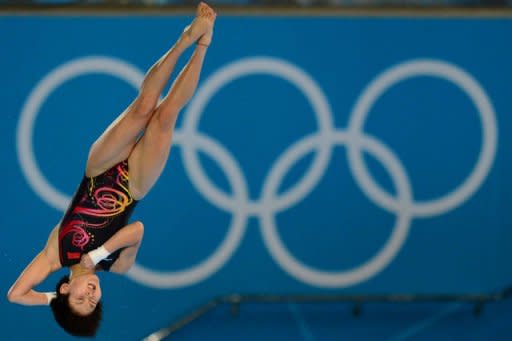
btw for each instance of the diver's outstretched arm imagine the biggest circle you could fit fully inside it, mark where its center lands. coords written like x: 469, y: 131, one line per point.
x: 46, y: 262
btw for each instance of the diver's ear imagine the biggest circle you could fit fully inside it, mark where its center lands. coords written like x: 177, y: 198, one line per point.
x: 64, y: 288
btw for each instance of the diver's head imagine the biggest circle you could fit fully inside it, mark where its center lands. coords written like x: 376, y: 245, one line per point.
x: 77, y: 307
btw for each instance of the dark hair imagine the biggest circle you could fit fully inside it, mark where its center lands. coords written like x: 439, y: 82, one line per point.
x: 69, y: 320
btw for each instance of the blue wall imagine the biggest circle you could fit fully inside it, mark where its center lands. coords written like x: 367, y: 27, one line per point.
x: 319, y: 155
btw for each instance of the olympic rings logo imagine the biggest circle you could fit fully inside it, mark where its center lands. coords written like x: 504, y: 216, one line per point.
x: 239, y: 204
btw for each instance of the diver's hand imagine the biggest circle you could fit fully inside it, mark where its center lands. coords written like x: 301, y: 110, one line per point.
x: 86, y: 262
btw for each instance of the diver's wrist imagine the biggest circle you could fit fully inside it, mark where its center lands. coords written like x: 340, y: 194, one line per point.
x: 49, y: 296
x: 99, y: 254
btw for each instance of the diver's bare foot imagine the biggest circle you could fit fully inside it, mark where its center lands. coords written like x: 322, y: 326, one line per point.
x: 210, y: 14
x: 201, y: 28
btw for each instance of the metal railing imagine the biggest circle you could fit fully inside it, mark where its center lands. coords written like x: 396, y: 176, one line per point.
x: 235, y: 300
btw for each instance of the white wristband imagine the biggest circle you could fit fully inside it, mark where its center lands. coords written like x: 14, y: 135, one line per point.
x: 99, y: 254
x: 50, y: 296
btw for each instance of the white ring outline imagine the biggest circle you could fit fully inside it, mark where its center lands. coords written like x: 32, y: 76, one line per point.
x: 371, y: 267
x: 455, y: 75
x: 32, y: 105
x: 241, y: 68
x: 197, y: 273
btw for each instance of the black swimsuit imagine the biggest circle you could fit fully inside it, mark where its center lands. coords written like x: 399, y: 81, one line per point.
x: 100, y: 207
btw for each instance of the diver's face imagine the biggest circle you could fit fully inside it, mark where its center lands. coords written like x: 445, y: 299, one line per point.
x: 84, y: 293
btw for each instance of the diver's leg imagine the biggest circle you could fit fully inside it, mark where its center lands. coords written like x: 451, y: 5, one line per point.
x: 150, y: 154
x: 118, y: 140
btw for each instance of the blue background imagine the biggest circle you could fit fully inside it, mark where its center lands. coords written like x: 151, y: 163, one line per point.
x: 428, y: 123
